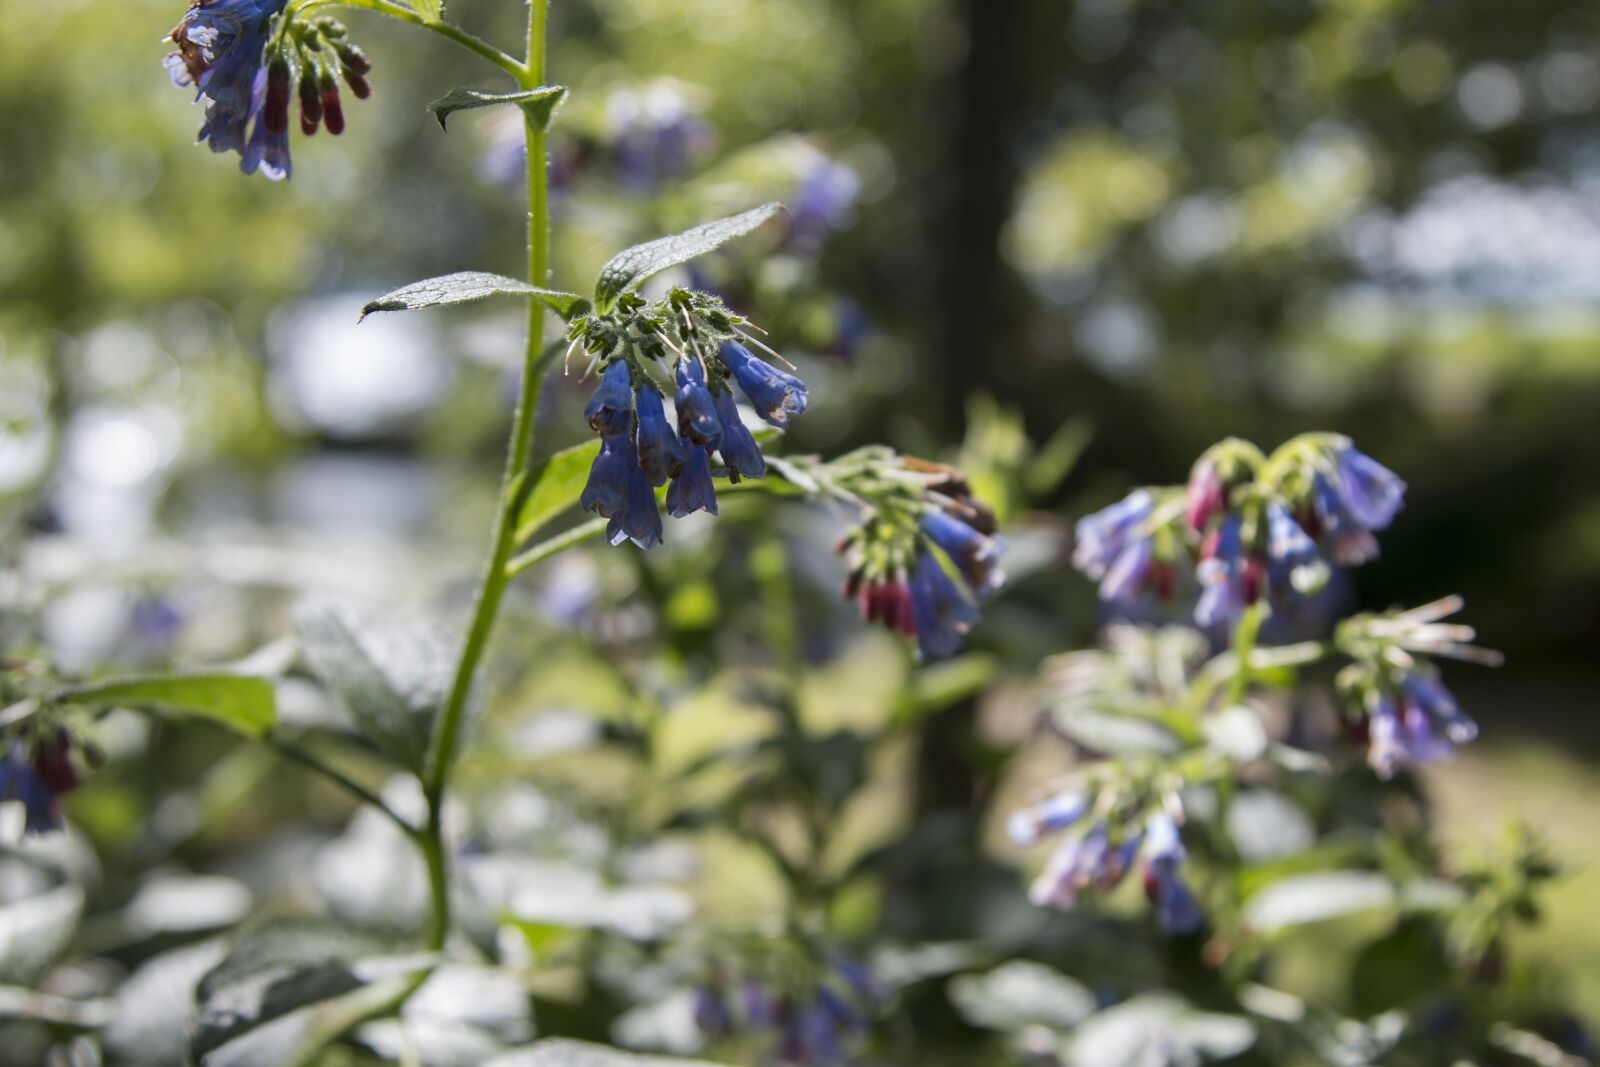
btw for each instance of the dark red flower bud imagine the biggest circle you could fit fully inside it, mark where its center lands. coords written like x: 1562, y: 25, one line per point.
x: 310, y: 104
x: 357, y: 83
x: 354, y: 58
x: 275, y: 112
x: 332, y: 111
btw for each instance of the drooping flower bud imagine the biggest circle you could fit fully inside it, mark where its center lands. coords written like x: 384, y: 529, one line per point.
x: 352, y: 58
x: 275, y: 113
x: 332, y: 111
x: 357, y: 83
x: 310, y: 103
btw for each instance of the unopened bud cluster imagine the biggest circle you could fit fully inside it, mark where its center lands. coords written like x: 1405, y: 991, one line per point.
x: 924, y: 553
x: 247, y: 59
x: 1247, y: 528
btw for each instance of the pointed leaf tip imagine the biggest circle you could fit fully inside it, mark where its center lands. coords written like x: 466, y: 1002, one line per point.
x: 629, y: 268
x: 538, y: 104
x: 464, y: 286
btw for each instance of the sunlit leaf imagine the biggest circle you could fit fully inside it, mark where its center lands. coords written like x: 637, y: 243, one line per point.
x: 35, y: 930
x: 1157, y: 1028
x: 150, y: 1027
x: 1021, y: 994
x: 1309, y: 898
x: 1115, y: 735
x: 245, y: 703
x: 629, y: 268
x: 272, y: 970
x: 391, y: 675
x: 559, y: 1052
x: 468, y: 285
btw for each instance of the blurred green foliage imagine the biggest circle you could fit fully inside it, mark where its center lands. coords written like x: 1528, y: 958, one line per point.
x: 1117, y: 227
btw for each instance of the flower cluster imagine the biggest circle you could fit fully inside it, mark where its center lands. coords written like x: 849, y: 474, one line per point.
x: 245, y: 69
x: 36, y: 774
x: 824, y: 196
x: 1099, y: 855
x: 639, y: 449
x: 818, y: 1023
x: 924, y: 554
x: 654, y: 133
x: 1247, y: 528
x: 1405, y: 713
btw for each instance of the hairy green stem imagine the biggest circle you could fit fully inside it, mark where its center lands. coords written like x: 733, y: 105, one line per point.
x: 554, y: 545
x: 461, y: 37
x: 447, y: 733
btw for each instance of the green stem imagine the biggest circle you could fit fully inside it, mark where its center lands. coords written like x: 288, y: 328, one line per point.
x: 1244, y: 642
x: 447, y: 734
x: 554, y: 545
x: 461, y: 37
x: 291, y: 751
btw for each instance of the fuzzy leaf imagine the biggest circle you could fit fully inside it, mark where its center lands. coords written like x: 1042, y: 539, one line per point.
x: 1115, y: 735
x: 35, y: 930
x: 538, y: 104
x: 1310, y: 898
x: 432, y: 10
x: 468, y: 285
x: 629, y: 268
x: 247, y: 704
x: 273, y: 969
x: 391, y: 676
x: 1020, y: 994
x: 556, y: 483
x: 560, y: 1052
x: 1157, y: 1027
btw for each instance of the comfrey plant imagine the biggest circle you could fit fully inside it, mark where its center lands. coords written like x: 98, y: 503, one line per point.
x: 1247, y: 528
x: 1195, y: 737
x: 1254, y: 533
x: 687, y: 398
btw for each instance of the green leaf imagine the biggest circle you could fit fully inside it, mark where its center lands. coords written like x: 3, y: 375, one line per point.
x: 554, y: 485
x: 273, y: 969
x: 942, y: 684
x: 560, y: 1052
x: 630, y: 267
x: 36, y: 930
x: 538, y: 104
x: 432, y: 10
x: 1310, y: 898
x: 1236, y: 733
x: 467, y: 285
x: 154, y: 1004
x: 1407, y: 967
x: 245, y: 703
x: 1265, y: 825
x: 1157, y: 1028
x: 392, y: 676
x: 1115, y: 735
x: 1021, y: 994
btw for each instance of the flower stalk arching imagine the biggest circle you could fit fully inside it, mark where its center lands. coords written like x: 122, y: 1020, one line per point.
x: 469, y: 41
